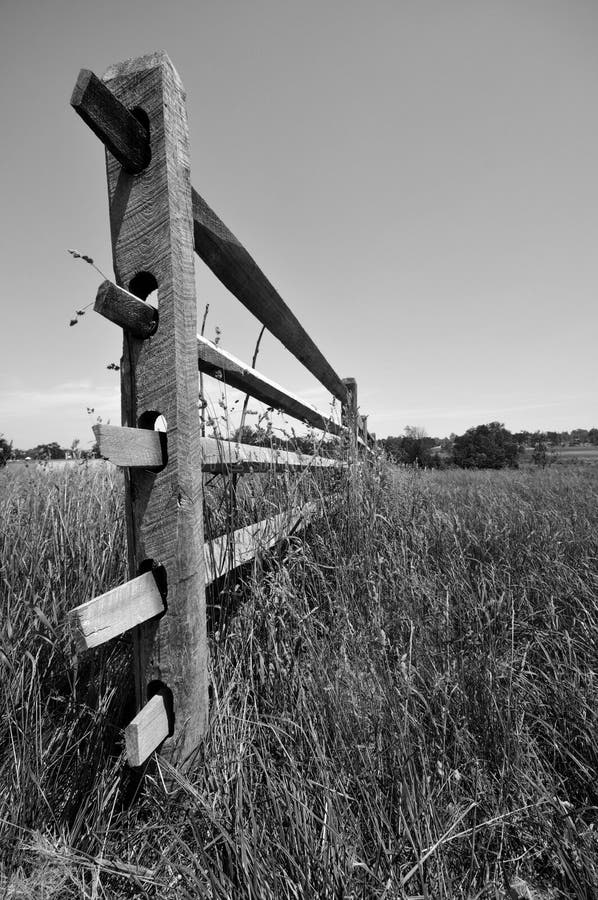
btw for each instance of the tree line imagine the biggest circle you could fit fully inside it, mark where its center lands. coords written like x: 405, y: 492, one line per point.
x: 490, y: 446
x: 42, y: 452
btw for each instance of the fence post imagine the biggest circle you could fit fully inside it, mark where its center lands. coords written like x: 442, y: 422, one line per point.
x: 364, y: 430
x: 152, y: 245
x: 349, y: 413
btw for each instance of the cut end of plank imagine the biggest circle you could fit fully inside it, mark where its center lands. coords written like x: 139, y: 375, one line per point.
x: 132, y: 447
x: 146, y: 732
x: 105, y: 617
x: 121, y: 132
x: 125, y: 309
x: 83, y: 79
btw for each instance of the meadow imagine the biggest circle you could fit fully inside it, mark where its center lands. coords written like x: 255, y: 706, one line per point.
x: 403, y: 705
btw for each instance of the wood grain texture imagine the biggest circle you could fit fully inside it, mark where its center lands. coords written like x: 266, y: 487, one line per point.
x: 105, y: 617
x: 152, y: 231
x: 223, y: 365
x: 228, y: 552
x: 231, y: 263
x: 350, y: 414
x: 134, y: 447
x: 363, y: 427
x: 120, y: 131
x: 229, y: 456
x: 350, y: 407
x: 147, y: 731
x: 125, y: 309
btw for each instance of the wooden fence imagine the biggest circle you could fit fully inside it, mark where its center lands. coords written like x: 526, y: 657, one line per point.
x: 157, y: 221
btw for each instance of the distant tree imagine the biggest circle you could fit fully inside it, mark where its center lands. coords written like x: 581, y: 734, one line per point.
x: 489, y: 446
x: 579, y: 436
x: 393, y: 447
x: 523, y: 438
x: 46, y: 451
x: 593, y: 435
x: 417, y: 446
x: 246, y: 434
x: 539, y: 456
x: 5, y: 451
x: 413, y: 448
x: 308, y: 443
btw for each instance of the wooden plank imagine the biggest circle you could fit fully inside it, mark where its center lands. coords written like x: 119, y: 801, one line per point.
x: 228, y: 456
x: 152, y: 232
x: 134, y: 447
x: 118, y: 129
x: 105, y: 617
x: 125, y: 309
x: 220, y: 364
x: 146, y: 732
x: 142, y: 447
x: 231, y: 263
x: 225, y: 553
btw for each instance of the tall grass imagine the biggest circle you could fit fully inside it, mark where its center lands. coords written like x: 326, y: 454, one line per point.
x: 404, y: 705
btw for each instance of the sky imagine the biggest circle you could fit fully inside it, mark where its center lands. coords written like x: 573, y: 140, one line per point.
x: 417, y: 178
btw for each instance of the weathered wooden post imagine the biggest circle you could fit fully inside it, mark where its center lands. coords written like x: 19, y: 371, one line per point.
x: 349, y: 419
x: 364, y: 430
x: 349, y: 414
x: 149, y: 192
x: 152, y: 244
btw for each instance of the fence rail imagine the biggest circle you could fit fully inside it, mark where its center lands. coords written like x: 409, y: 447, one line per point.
x: 141, y: 321
x: 157, y: 222
x: 141, y: 448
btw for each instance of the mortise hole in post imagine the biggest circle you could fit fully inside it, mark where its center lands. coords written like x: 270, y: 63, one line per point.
x: 155, y: 421
x: 142, y: 117
x: 145, y: 286
x: 158, y: 687
x: 159, y: 573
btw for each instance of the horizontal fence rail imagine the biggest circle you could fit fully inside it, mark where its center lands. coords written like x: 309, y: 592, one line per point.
x: 141, y: 320
x: 229, y: 552
x: 232, y: 264
x: 145, y: 448
x: 158, y: 221
x: 220, y: 456
x: 219, y: 363
x: 109, y: 615
x: 105, y: 617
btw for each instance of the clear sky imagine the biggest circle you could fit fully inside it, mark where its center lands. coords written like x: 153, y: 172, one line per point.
x: 418, y: 178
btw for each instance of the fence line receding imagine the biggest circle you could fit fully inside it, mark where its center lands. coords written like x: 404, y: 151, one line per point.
x: 157, y: 222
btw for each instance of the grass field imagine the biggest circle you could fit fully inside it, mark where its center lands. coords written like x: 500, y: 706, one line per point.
x: 406, y: 708
x: 583, y: 453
